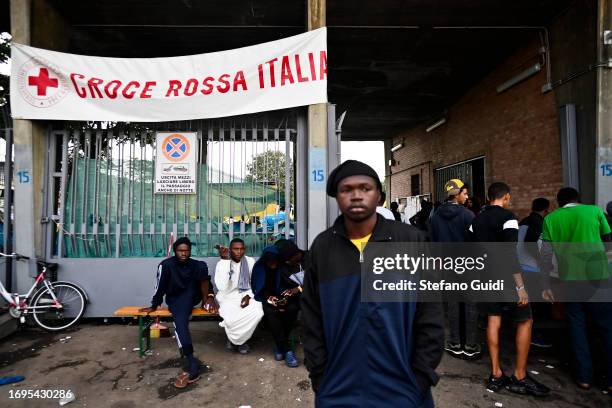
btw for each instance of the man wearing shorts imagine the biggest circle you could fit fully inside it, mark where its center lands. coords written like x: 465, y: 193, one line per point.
x: 497, y: 224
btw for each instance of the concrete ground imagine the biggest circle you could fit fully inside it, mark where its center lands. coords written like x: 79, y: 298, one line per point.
x: 97, y: 363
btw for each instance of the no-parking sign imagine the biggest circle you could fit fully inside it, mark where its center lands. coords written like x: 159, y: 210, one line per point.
x: 176, y: 162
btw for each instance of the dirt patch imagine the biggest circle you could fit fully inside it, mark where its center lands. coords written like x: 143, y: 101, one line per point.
x: 179, y: 363
x: 72, y: 363
x: 168, y: 391
x: 118, y: 378
x: 124, y: 404
x: 304, y: 385
x: 170, y: 363
x: 31, y: 350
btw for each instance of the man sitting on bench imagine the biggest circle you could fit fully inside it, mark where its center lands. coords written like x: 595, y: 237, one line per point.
x: 185, y: 283
x: 240, y: 312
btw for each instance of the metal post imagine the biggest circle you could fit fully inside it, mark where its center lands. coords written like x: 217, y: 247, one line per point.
x: 317, y: 143
x: 388, y: 157
x: 288, y: 173
x: 333, y: 159
x: 63, y: 195
x: 603, y: 178
x: 8, y: 200
x: 301, y: 182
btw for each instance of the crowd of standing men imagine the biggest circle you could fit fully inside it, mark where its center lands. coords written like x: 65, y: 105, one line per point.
x: 568, y: 243
x: 385, y: 354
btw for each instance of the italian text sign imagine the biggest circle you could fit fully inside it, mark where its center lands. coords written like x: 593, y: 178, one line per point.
x: 275, y: 75
x: 175, y: 163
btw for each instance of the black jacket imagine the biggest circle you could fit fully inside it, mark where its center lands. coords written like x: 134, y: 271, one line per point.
x: 494, y: 224
x: 348, y: 342
x: 175, y: 279
x: 450, y: 223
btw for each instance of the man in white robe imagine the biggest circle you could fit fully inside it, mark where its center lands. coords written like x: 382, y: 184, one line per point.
x: 241, y: 313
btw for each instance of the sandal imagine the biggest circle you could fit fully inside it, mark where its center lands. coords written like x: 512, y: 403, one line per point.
x: 584, y: 386
x: 183, y: 380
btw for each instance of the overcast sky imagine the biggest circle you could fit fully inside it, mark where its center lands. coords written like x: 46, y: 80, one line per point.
x: 372, y: 153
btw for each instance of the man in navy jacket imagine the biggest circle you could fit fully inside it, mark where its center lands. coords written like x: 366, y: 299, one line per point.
x: 451, y: 223
x: 364, y: 354
x: 184, y: 282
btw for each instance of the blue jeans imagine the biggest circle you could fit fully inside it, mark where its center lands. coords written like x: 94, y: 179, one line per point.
x: 601, y: 314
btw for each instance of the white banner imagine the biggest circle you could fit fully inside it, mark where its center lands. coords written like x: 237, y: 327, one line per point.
x: 274, y: 75
x: 175, y: 162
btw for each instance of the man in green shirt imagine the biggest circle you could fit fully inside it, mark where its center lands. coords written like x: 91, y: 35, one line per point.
x: 575, y: 233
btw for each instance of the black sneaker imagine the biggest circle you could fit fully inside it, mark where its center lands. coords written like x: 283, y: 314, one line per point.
x: 496, y: 384
x: 528, y: 386
x: 454, y: 349
x: 472, y: 351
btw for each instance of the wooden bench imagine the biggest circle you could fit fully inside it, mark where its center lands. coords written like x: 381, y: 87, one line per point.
x: 146, y: 319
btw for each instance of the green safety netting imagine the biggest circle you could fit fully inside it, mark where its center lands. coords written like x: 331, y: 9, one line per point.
x: 105, y: 199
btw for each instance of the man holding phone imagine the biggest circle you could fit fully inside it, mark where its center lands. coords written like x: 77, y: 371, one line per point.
x: 279, y: 301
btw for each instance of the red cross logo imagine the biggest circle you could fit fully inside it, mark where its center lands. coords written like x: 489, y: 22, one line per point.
x: 42, y: 82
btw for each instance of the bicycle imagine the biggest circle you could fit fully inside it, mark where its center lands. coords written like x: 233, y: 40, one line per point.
x: 54, y: 306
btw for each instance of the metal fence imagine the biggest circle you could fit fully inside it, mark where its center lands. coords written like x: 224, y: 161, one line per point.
x: 101, y: 188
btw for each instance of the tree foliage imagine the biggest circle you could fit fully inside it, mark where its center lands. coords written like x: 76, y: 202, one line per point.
x: 5, y: 52
x: 269, y: 168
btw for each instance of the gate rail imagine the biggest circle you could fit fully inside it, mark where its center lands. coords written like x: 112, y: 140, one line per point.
x: 101, y: 201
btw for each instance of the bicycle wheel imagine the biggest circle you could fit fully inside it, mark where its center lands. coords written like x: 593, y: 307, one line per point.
x: 52, y: 318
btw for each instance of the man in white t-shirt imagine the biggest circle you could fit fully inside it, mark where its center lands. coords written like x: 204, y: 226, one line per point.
x: 385, y: 212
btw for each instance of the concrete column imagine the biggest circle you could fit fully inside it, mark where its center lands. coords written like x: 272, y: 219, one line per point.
x: 317, y: 143
x: 23, y: 131
x: 333, y: 159
x: 301, y: 180
x: 603, y: 166
x: 37, y: 24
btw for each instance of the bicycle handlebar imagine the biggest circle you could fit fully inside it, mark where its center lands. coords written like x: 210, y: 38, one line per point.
x: 14, y: 255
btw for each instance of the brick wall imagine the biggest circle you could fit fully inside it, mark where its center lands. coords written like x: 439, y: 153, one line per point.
x: 517, y: 132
